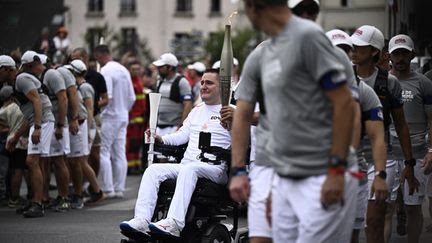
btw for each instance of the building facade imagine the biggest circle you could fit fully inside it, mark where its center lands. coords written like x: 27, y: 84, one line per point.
x: 165, y: 25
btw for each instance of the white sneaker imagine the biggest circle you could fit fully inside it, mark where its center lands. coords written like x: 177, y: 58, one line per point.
x: 118, y: 195
x: 135, y: 225
x: 110, y: 195
x: 165, y: 226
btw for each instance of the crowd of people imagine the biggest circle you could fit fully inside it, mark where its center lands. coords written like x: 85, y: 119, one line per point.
x: 339, y: 129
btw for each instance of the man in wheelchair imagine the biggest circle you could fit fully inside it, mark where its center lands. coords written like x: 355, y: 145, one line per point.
x: 204, y: 117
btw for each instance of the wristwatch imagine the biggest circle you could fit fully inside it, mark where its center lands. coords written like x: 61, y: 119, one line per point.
x: 381, y: 173
x: 238, y: 171
x: 37, y: 127
x: 411, y: 162
x: 335, y: 161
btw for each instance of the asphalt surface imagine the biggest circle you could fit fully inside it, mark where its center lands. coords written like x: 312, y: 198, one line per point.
x: 98, y: 223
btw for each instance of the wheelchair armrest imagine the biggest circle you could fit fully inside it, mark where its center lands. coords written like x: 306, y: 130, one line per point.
x: 175, y: 151
x: 220, y: 153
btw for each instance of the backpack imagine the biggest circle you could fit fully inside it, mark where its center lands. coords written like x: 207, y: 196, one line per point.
x: 21, y: 98
x: 175, y: 89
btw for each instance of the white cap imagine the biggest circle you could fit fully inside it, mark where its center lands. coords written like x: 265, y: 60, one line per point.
x: 294, y: 3
x: 7, y: 61
x: 29, y: 57
x: 197, y: 66
x: 401, y: 41
x: 78, y: 66
x: 339, y: 37
x: 166, y: 59
x: 43, y: 58
x: 216, y: 65
x: 368, y: 35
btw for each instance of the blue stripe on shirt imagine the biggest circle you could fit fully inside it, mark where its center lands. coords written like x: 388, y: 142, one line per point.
x: 375, y: 114
x: 328, y: 81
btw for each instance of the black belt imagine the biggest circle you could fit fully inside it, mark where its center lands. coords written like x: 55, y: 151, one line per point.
x: 165, y: 126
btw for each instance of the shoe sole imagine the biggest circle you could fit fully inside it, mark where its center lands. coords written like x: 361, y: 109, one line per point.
x: 132, y: 233
x: 154, y: 229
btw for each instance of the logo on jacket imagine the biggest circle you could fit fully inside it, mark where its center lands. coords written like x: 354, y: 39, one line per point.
x: 212, y: 118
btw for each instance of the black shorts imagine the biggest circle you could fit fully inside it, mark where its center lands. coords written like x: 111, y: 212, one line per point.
x: 17, y: 159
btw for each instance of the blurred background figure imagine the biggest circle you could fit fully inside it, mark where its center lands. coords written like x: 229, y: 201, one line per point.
x: 62, y: 45
x: 138, y: 117
x: 195, y: 72
x: 44, y: 44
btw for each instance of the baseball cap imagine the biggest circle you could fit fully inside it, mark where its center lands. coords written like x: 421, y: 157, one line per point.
x: 197, y: 66
x: 78, y: 66
x: 216, y: 65
x: 368, y: 35
x: 339, y: 37
x: 5, y: 92
x: 166, y: 59
x: 7, y: 61
x: 29, y: 57
x: 43, y: 58
x: 294, y: 3
x: 401, y: 41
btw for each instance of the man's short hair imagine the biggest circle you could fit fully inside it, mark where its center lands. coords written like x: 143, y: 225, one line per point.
x: 212, y: 70
x: 267, y: 3
x: 102, y: 49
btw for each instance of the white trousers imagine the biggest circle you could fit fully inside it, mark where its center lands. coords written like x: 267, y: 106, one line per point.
x: 113, y: 163
x: 187, y: 176
x: 298, y: 216
x: 260, y: 186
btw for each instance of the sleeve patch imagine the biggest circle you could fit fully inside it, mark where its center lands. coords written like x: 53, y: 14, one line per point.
x: 332, y: 80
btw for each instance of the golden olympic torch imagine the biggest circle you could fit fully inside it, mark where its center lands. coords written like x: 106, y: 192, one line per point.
x: 226, y: 65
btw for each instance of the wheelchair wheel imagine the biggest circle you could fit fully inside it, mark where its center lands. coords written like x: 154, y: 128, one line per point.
x: 219, y: 234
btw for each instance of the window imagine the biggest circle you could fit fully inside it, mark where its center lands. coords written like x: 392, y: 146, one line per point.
x: 344, y: 3
x: 215, y: 6
x: 127, y: 6
x: 129, y: 40
x: 93, y: 36
x: 184, y: 5
x: 95, y: 6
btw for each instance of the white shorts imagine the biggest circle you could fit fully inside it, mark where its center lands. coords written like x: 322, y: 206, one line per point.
x: 79, y: 142
x: 260, y: 185
x: 60, y: 147
x: 361, y: 207
x: 43, y: 147
x: 92, y: 135
x: 392, y: 174
x: 298, y: 215
x: 418, y: 196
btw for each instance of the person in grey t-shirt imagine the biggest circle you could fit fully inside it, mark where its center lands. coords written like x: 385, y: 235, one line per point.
x: 176, y: 101
x: 72, y: 94
x: 417, y: 99
x: 55, y: 85
x: 310, y: 112
x: 36, y: 108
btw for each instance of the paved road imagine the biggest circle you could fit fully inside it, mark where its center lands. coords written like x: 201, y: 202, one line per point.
x: 91, y: 224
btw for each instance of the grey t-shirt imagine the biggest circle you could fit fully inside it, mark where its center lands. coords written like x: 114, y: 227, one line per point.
x: 25, y: 83
x: 349, y: 72
x: 82, y: 111
x: 87, y: 92
x: 395, y: 91
x: 55, y: 83
x: 170, y: 112
x: 297, y: 68
x: 417, y: 99
x: 371, y: 111
x: 70, y: 80
x: 247, y: 91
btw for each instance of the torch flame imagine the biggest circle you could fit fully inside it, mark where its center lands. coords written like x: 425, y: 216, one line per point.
x: 231, y: 16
